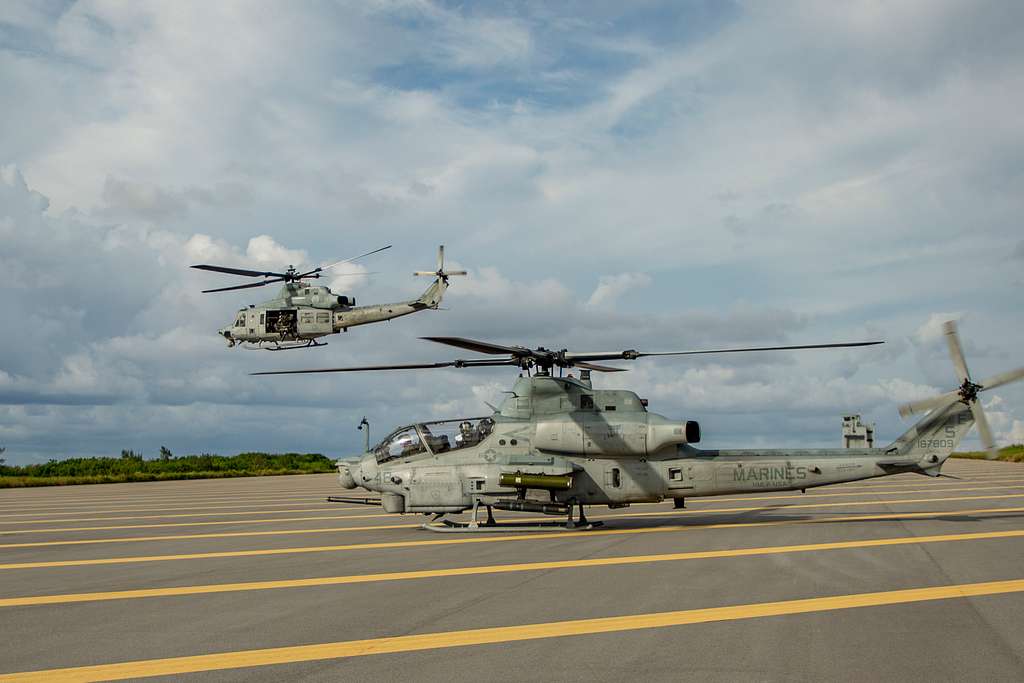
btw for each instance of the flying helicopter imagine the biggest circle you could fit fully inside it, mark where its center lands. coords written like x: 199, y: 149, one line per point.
x: 302, y: 313
x: 557, y: 444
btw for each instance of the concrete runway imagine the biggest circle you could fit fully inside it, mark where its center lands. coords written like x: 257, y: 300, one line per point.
x: 904, y: 577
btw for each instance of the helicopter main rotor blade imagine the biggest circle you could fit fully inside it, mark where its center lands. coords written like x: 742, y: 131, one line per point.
x: 320, y: 269
x: 411, y: 366
x: 632, y: 354
x: 932, y: 403
x: 1002, y: 378
x: 237, y: 271
x: 984, y: 431
x: 956, y: 352
x: 251, y: 284
x: 599, y: 368
x: 481, y: 347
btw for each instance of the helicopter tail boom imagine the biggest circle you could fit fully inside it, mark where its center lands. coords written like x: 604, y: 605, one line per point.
x: 928, y: 443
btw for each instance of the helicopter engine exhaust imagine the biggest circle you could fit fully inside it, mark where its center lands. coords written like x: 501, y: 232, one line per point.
x: 660, y: 434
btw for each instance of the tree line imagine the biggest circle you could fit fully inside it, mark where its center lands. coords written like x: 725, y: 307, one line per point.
x: 131, y: 464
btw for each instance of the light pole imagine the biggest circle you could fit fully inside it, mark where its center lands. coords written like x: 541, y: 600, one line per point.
x: 366, y: 424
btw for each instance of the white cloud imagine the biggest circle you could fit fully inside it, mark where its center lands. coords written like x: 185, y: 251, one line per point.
x: 263, y: 249
x: 810, y: 172
x: 611, y: 287
x: 932, y: 329
x: 1016, y: 433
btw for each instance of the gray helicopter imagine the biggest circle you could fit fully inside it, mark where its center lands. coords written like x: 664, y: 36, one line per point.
x: 302, y: 313
x: 557, y: 444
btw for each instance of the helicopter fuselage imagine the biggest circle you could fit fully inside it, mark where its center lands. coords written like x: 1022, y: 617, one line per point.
x: 556, y: 442
x: 303, y: 312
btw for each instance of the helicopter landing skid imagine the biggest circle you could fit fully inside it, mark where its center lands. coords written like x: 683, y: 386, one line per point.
x: 449, y: 527
x: 278, y: 346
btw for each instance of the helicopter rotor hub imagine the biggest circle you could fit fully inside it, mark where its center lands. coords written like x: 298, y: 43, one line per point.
x: 969, y: 391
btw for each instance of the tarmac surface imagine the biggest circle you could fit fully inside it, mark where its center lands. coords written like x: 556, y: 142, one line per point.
x: 260, y: 579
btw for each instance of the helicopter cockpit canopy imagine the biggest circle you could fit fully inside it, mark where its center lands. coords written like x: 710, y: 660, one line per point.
x: 401, y: 443
x: 433, y: 437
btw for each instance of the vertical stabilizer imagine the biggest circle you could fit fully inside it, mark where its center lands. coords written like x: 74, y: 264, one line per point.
x: 435, y: 292
x: 934, y: 438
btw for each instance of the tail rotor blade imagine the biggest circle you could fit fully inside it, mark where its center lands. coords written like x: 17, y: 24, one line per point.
x: 1002, y: 378
x: 429, y: 273
x: 935, y: 402
x: 984, y: 431
x: 440, y: 259
x: 956, y: 353
x: 456, y: 272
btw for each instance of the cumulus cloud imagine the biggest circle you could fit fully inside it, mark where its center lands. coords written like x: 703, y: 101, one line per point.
x: 806, y: 173
x: 1003, y: 418
x: 611, y: 287
x: 931, y: 330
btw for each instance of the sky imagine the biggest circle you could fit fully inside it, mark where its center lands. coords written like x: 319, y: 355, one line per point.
x: 657, y: 176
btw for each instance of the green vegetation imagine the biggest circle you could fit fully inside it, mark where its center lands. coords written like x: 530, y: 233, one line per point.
x: 131, y: 466
x: 1013, y: 453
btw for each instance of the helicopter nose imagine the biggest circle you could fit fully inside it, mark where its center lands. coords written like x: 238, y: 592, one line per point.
x: 366, y: 471
x: 347, y: 473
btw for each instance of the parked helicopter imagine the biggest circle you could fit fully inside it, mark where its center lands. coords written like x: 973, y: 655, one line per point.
x: 302, y: 313
x: 577, y: 446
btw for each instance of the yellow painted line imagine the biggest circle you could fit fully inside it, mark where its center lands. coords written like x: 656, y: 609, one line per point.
x: 271, y: 520
x: 847, y: 494
x: 317, y: 500
x: 876, y: 482
x: 837, y: 490
x: 333, y: 508
x: 626, y: 515
x: 44, y: 504
x: 709, y: 499
x: 228, y: 500
x: 845, y: 503
x: 701, y: 499
x: 232, y: 501
x: 66, y: 598
x: 507, y: 634
x: 459, y: 540
x: 228, y: 534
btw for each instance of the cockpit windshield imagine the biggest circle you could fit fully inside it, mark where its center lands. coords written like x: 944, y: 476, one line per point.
x: 451, y: 435
x: 400, y: 444
x: 439, y: 437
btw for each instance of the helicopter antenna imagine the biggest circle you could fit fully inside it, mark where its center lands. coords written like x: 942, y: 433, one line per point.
x: 363, y: 423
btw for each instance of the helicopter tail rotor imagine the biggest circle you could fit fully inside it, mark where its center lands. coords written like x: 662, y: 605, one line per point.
x: 967, y: 393
x: 441, y: 274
